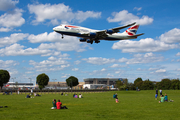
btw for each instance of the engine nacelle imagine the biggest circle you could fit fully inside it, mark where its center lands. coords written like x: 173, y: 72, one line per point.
x: 110, y: 31
x: 82, y: 40
x: 92, y: 34
x: 89, y: 41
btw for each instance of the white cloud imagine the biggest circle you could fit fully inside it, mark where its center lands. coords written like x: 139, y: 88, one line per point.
x: 44, y: 49
x: 52, y: 64
x: 8, y: 4
x: 11, y: 20
x: 152, y: 69
x: 110, y: 75
x: 122, y: 59
x: 138, y: 9
x: 103, y: 69
x: 160, y: 71
x: 117, y: 66
x: 44, y: 37
x: 125, y: 18
x: 59, y: 12
x: 75, y: 69
x: 146, y: 58
x: 178, y: 54
x: 17, y: 49
x: 12, y: 39
x: 3, y: 29
x: 77, y: 62
x: 98, y: 60
x: 8, y: 63
x: 143, y: 45
x: 172, y: 36
x: 67, y: 44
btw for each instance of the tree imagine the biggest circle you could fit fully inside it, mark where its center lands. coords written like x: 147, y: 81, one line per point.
x: 147, y: 85
x: 4, y: 77
x: 139, y: 84
x: 137, y: 80
x: 72, y: 81
x: 119, y: 84
x: 175, y: 84
x: 42, y: 80
x: 165, y: 83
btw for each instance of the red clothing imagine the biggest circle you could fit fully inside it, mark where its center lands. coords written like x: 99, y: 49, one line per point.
x: 58, y: 105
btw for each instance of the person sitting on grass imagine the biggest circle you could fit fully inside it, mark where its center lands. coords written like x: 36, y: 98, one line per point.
x: 80, y: 95
x: 114, y: 96
x: 166, y: 98
x: 54, y: 104
x: 59, y: 105
x: 162, y: 99
x: 28, y: 96
x: 117, y: 101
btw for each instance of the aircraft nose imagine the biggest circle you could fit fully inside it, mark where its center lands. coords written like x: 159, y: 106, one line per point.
x: 55, y: 28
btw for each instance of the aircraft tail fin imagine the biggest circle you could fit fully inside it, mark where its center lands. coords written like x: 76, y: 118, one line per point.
x: 132, y: 30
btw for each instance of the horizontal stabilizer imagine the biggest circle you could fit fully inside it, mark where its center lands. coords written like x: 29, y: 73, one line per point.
x: 137, y: 35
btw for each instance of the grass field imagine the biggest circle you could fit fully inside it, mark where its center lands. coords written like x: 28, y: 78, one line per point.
x: 94, y: 106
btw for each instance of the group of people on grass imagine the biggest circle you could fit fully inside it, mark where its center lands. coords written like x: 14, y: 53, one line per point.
x: 58, y: 105
x: 31, y: 95
x: 76, y: 96
x: 162, y: 97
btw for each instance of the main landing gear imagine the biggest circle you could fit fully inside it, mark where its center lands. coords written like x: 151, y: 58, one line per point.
x: 62, y: 36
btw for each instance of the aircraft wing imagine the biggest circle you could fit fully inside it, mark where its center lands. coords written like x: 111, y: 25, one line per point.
x: 103, y: 33
x: 115, y: 30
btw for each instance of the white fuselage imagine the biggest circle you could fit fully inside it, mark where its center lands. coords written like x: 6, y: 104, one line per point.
x: 85, y: 33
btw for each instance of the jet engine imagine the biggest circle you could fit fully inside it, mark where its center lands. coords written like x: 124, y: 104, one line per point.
x: 92, y: 34
x: 89, y: 41
x: 110, y: 31
x: 82, y: 40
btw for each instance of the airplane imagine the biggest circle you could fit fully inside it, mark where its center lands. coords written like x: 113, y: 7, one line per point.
x: 90, y: 35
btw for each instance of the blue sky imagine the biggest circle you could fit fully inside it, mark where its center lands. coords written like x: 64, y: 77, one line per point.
x: 28, y: 45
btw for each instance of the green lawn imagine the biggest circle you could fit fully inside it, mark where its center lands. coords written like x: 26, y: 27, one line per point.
x: 101, y: 106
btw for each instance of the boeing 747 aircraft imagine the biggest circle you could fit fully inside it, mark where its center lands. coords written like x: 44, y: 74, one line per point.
x: 90, y: 35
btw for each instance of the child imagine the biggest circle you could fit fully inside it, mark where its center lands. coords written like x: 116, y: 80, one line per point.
x: 156, y: 96
x: 166, y: 98
x: 117, y: 101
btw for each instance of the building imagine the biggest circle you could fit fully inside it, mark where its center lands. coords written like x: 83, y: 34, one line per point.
x: 106, y: 81
x: 62, y: 85
x: 19, y: 85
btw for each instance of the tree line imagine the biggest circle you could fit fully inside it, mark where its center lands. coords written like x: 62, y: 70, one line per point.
x: 164, y: 84
x: 42, y: 79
